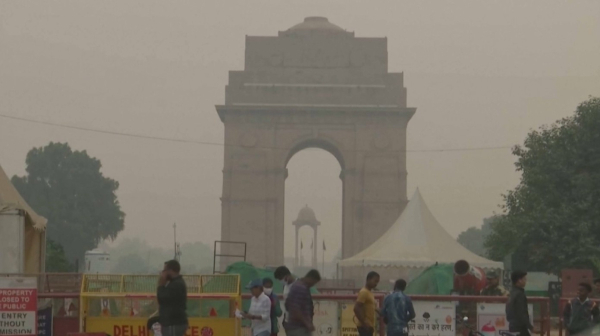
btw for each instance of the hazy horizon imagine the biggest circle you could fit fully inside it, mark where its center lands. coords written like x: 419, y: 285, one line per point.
x: 481, y: 75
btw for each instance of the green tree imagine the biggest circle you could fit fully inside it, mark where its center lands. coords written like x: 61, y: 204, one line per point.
x: 68, y: 188
x: 56, y: 260
x: 553, y: 215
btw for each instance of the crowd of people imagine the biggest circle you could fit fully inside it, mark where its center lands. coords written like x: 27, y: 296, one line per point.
x: 397, y: 310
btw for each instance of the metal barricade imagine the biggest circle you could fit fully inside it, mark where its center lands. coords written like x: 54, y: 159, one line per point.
x: 213, y: 299
x: 61, y: 292
x: 65, y: 311
x: 120, y: 305
x: 336, y: 311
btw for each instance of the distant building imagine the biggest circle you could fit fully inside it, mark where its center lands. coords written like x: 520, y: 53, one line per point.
x: 97, y: 262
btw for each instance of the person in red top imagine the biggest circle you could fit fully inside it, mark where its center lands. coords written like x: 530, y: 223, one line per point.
x: 468, y: 280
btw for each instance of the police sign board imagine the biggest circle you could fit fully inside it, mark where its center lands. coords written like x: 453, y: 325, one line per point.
x: 18, y: 306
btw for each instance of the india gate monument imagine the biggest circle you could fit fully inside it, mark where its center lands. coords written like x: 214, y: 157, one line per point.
x: 314, y: 85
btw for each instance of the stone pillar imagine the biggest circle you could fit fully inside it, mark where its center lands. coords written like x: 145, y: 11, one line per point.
x: 296, y: 260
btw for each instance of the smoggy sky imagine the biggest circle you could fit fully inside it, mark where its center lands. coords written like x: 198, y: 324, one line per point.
x: 481, y: 74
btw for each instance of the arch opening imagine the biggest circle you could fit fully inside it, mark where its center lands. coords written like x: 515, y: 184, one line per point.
x: 313, y: 186
x: 316, y: 144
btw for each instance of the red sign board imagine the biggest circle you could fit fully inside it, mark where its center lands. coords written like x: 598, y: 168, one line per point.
x: 18, y: 306
x: 571, y: 278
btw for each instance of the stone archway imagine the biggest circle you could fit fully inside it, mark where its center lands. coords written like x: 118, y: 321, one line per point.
x: 314, y: 85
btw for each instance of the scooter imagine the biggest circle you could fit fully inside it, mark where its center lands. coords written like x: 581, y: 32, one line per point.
x: 472, y: 331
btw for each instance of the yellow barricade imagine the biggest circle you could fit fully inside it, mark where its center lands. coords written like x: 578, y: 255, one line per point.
x: 120, y: 305
x: 137, y: 326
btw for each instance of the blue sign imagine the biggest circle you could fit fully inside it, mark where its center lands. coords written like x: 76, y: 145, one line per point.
x: 45, y: 322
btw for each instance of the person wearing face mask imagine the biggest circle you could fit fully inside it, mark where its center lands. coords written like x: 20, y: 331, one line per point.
x: 172, y: 300
x: 284, y: 275
x: 260, y: 309
x: 275, y: 307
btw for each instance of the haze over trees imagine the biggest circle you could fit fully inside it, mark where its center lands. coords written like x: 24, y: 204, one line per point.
x: 474, y: 238
x: 553, y: 215
x: 80, y: 203
x: 135, y: 256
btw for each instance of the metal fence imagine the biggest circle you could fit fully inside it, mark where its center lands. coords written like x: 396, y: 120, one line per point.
x: 54, y: 282
x: 101, y: 284
x: 342, y: 311
x: 63, y: 292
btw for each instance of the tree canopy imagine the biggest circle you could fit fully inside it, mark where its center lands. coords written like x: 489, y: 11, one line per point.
x: 56, y: 260
x: 553, y: 215
x: 67, y: 188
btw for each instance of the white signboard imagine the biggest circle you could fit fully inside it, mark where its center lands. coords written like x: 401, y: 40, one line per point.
x: 326, y: 318
x: 18, y: 306
x: 433, y: 319
x: 491, y: 318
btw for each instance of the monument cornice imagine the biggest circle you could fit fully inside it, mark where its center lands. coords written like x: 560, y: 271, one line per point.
x: 285, y: 109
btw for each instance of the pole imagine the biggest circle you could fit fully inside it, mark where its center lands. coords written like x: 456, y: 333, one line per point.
x: 175, y: 240
x: 323, y: 274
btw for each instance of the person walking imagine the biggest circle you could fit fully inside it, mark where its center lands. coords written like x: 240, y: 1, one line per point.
x: 283, y: 274
x: 300, y: 307
x: 493, y: 287
x: 517, y: 311
x: 260, y: 309
x: 397, y: 311
x: 364, y: 307
x: 275, y: 307
x: 172, y: 300
x: 581, y: 313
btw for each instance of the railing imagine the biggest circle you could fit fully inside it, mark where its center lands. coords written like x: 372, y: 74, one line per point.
x: 103, y: 284
x: 118, y: 304
x: 542, y: 323
x: 69, y: 322
x: 54, y: 282
x: 63, y: 290
x: 65, y: 309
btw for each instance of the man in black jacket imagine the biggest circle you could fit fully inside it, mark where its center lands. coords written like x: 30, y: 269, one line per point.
x: 517, y: 312
x: 172, y: 297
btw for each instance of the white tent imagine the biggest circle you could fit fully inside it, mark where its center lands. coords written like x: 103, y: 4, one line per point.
x: 22, y: 232
x: 416, y: 240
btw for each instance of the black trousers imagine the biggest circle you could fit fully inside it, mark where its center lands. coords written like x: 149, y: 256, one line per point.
x: 365, y: 331
x: 522, y: 332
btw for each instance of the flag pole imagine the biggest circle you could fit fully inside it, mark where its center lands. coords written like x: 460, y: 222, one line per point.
x: 323, y: 266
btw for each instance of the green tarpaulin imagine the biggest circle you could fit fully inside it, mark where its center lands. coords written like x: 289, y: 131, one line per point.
x: 248, y: 273
x: 435, y: 280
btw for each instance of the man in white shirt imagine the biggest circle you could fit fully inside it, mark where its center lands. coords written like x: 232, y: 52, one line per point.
x: 284, y: 275
x: 260, y: 309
